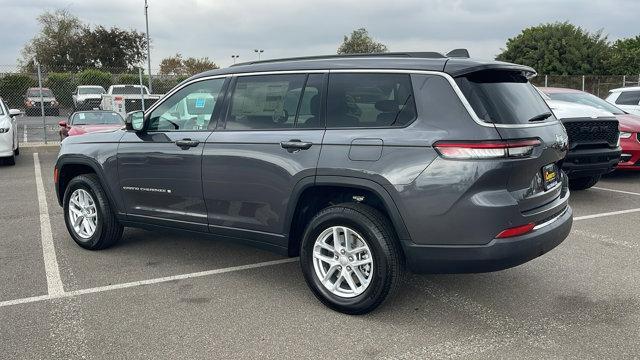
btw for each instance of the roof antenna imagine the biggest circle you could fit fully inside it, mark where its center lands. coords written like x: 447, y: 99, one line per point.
x: 458, y: 53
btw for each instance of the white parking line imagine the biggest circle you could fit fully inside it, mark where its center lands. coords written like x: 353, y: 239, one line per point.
x: 618, y: 191
x: 143, y: 282
x: 612, y: 213
x: 25, y: 133
x: 54, y: 282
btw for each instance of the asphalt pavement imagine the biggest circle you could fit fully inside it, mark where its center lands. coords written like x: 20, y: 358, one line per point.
x: 157, y: 295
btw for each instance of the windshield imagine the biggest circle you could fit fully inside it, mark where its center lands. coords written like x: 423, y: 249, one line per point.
x: 96, y: 118
x: 586, y: 99
x: 90, y: 90
x: 36, y: 93
x: 503, y: 97
x: 128, y: 90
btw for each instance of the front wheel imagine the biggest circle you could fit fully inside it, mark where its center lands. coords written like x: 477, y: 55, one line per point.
x: 350, y: 258
x: 88, y: 215
x: 583, y: 183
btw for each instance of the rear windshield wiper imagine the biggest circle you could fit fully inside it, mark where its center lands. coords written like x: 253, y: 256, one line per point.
x: 540, y: 117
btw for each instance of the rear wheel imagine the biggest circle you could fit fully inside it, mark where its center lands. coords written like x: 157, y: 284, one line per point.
x: 88, y: 214
x: 583, y: 183
x: 350, y: 258
x: 11, y: 160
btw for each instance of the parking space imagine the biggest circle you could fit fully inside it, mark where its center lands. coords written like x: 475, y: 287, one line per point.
x: 32, y: 130
x: 161, y: 295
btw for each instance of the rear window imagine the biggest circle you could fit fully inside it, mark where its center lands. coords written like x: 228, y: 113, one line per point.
x: 96, y: 118
x: 503, y: 97
x: 128, y: 90
x: 36, y: 93
x: 628, y: 98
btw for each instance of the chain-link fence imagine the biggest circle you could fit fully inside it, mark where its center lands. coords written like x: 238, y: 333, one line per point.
x: 598, y: 85
x: 20, y: 89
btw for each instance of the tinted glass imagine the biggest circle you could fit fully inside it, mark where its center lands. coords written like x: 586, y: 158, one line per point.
x: 628, y: 98
x: 96, y: 118
x: 128, y: 90
x: 502, y: 97
x: 92, y: 90
x: 370, y: 100
x: 309, y: 112
x: 586, y: 99
x: 265, y: 102
x: 189, y: 109
x: 36, y: 93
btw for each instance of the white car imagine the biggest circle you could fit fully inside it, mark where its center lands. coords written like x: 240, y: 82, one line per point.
x: 9, y: 147
x: 87, y: 97
x: 627, y: 99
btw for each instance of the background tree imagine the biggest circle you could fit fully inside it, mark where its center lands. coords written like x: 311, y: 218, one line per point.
x: 360, y: 42
x: 114, y: 49
x: 64, y: 43
x: 559, y: 49
x: 176, y: 65
x: 59, y: 43
x: 625, y: 57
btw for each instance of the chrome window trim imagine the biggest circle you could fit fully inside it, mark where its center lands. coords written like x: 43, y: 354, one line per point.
x: 448, y: 77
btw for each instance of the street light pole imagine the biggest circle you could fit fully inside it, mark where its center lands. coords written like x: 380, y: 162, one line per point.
x: 146, y: 17
x: 259, y: 52
x: 235, y: 57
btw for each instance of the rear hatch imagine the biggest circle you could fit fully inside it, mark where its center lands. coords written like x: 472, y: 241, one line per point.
x: 506, y: 99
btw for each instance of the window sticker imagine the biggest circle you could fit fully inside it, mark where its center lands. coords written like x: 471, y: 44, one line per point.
x: 200, y: 103
x: 81, y: 116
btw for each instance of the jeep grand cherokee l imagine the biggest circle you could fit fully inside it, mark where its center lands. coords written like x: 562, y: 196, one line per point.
x: 360, y: 165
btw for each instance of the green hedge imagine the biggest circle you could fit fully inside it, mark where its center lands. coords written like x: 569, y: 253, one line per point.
x: 14, y: 86
x: 95, y: 77
x: 132, y: 79
x: 62, y: 85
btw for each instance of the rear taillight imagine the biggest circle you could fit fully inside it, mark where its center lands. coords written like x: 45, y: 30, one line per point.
x: 55, y: 175
x: 516, y: 231
x: 486, y: 149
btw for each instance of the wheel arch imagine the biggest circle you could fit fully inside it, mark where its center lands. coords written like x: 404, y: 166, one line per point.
x: 70, y: 166
x: 310, y: 196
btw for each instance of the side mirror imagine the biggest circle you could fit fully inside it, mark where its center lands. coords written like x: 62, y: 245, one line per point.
x: 14, y: 112
x: 63, y: 123
x: 135, y: 121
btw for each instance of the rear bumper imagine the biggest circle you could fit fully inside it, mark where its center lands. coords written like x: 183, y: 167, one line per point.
x: 591, y: 162
x: 630, y: 158
x: 498, y: 254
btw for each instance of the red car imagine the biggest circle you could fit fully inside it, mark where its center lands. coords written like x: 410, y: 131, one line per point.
x: 629, y: 123
x: 82, y: 122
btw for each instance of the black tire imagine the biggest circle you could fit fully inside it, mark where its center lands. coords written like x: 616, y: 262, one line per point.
x: 11, y: 160
x: 583, y: 183
x: 108, y: 230
x: 16, y: 152
x: 387, y: 256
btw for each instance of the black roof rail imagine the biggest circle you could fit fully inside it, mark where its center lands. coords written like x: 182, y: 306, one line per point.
x: 424, y: 54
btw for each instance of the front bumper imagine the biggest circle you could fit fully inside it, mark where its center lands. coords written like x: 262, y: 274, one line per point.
x: 498, y: 254
x: 591, y: 162
x: 630, y: 158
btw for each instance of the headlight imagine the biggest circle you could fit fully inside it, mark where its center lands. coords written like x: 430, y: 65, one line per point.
x: 4, y: 130
x: 625, y: 135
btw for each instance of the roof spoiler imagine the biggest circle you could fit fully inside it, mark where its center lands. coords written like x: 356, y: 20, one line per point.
x: 458, y: 53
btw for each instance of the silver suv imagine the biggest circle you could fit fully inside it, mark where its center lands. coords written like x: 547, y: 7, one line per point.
x: 361, y: 165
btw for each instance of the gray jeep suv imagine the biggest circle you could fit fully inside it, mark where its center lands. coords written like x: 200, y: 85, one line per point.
x: 361, y: 165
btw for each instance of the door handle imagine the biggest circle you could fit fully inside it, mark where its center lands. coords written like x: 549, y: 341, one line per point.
x: 295, y: 145
x: 185, y: 144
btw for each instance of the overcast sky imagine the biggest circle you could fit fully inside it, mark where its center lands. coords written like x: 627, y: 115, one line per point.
x: 219, y: 28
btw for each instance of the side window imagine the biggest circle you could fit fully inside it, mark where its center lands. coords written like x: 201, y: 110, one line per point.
x: 265, y: 102
x: 309, y: 111
x: 628, y: 98
x: 189, y: 109
x: 370, y: 100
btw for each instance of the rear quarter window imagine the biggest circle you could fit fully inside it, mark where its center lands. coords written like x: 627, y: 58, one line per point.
x: 628, y: 98
x: 502, y: 97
